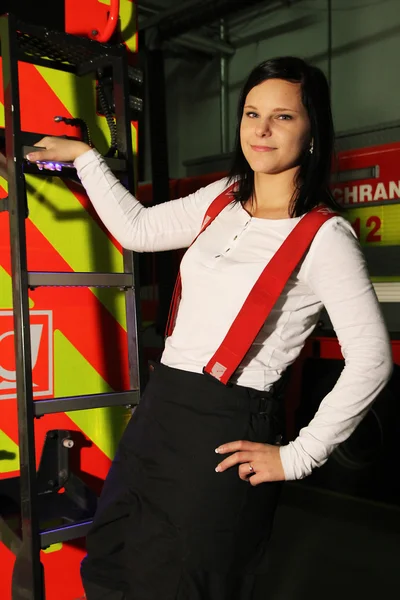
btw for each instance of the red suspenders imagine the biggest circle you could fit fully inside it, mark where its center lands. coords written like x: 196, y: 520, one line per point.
x: 264, y: 293
x: 213, y: 211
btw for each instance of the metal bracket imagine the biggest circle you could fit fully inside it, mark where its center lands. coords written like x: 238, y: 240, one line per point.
x: 4, y: 205
x: 53, y: 470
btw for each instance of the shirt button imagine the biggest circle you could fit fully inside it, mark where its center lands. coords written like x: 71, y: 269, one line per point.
x: 227, y: 250
x: 218, y: 256
x: 236, y: 237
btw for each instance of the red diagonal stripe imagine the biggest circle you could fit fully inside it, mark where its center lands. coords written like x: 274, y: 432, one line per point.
x: 40, y: 104
x: 77, y: 312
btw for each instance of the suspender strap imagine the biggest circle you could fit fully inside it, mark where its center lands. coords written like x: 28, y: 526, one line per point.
x: 264, y: 295
x: 213, y: 211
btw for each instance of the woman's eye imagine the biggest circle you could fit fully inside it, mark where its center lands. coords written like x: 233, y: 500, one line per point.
x: 252, y: 115
x: 285, y: 117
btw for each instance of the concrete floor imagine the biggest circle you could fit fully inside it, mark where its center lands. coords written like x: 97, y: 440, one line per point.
x: 329, y: 547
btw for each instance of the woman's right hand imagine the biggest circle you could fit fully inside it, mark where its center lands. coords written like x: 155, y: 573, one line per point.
x: 58, y: 150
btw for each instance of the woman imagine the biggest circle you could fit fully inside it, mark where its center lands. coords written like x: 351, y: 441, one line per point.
x: 187, y: 508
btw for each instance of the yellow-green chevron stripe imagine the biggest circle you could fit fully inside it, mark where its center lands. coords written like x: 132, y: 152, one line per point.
x: 74, y: 375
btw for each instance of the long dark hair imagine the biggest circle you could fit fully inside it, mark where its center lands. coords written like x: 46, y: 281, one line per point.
x: 312, y: 181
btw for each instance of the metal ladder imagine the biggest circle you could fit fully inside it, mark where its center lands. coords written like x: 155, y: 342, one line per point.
x: 20, y: 42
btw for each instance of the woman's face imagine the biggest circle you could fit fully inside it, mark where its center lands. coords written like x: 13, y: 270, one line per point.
x: 275, y: 128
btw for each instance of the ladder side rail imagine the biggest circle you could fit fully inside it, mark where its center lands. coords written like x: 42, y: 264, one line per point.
x: 29, y: 582
x: 125, y: 150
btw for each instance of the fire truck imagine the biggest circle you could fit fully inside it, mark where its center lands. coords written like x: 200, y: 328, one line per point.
x: 68, y: 360
x: 72, y: 314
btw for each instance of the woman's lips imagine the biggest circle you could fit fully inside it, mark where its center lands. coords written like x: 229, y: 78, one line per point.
x: 262, y: 148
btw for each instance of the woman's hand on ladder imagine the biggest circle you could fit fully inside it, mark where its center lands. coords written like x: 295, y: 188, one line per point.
x: 56, y: 149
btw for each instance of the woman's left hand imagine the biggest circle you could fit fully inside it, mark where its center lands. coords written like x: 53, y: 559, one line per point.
x: 57, y: 149
x: 258, y: 463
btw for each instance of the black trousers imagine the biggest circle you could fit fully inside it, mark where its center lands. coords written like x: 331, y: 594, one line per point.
x: 168, y: 527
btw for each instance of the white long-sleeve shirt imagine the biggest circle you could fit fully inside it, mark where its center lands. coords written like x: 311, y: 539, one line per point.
x: 218, y: 272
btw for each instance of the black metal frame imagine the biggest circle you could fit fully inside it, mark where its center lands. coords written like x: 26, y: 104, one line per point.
x: 17, y: 41
x: 28, y: 553
x: 166, y: 267
x: 192, y: 14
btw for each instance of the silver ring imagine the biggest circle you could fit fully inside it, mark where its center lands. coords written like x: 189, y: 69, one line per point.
x: 251, y: 468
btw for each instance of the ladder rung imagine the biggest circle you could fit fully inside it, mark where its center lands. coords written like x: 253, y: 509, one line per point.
x: 64, y: 533
x: 388, y: 291
x: 70, y: 403
x: 48, y: 279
